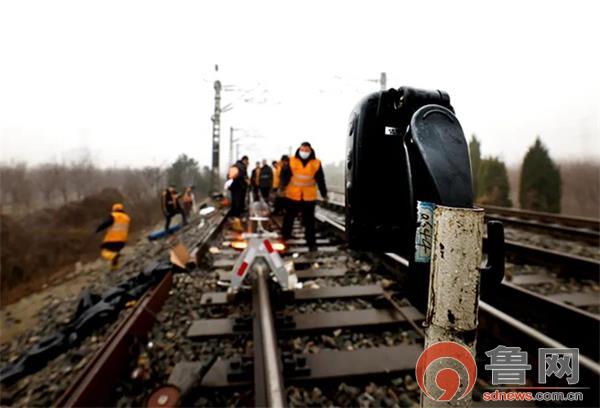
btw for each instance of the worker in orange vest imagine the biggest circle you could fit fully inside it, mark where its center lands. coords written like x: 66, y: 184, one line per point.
x: 117, y: 232
x: 279, y: 202
x: 301, y: 179
x: 276, y: 173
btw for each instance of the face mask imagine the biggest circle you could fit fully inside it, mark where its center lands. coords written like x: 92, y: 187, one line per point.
x: 304, y: 155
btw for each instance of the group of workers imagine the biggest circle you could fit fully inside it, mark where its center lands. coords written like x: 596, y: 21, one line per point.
x: 117, y: 224
x: 173, y: 203
x: 292, y: 182
x: 290, y: 185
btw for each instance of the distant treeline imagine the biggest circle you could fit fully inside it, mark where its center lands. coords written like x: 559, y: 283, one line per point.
x: 538, y: 183
x: 26, y: 188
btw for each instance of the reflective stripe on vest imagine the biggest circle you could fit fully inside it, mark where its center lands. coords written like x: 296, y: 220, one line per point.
x: 119, y: 231
x: 303, y: 185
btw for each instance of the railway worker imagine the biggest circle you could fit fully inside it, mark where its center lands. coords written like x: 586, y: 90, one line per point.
x: 301, y: 179
x: 276, y: 171
x: 189, y: 201
x: 265, y: 180
x: 254, y: 180
x: 279, y: 191
x: 117, y: 231
x: 171, y: 206
x: 237, y: 183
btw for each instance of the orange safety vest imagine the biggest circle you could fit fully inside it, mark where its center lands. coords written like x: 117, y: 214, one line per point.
x: 276, y: 175
x: 119, y: 231
x: 302, y: 186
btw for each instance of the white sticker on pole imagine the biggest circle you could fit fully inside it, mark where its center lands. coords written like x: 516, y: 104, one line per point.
x: 424, y: 235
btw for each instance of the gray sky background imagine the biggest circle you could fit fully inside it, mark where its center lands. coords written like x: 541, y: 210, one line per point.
x: 131, y: 81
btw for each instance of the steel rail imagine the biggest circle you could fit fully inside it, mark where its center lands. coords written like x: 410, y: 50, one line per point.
x: 268, y: 380
x: 94, y: 384
x: 586, y: 227
x: 569, y: 264
x: 561, y: 231
x: 592, y: 224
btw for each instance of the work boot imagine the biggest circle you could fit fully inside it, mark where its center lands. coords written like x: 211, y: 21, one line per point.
x: 236, y: 225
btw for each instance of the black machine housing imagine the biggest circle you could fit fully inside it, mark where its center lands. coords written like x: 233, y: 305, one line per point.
x: 403, y: 145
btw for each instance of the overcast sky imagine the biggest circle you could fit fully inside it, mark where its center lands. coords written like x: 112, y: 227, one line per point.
x: 132, y: 82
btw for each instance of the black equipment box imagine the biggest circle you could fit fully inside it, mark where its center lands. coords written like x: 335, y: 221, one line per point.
x: 387, y: 169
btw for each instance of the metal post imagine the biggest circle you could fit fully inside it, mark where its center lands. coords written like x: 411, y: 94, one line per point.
x: 216, y: 136
x: 453, y: 292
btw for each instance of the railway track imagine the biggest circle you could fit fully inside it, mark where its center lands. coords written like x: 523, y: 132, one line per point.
x: 560, y: 276
x: 346, y: 336
x: 582, y: 228
x: 520, y: 294
x: 337, y: 328
x: 548, y: 314
x: 572, y: 228
x: 515, y: 315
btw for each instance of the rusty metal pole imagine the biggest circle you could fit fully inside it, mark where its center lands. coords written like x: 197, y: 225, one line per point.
x: 453, y: 292
x: 216, y: 137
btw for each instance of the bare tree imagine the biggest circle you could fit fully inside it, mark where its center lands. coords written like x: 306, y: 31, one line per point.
x: 134, y: 186
x: 154, y: 178
x: 17, y: 185
x: 61, y: 172
x: 82, y: 172
x: 47, y: 179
